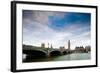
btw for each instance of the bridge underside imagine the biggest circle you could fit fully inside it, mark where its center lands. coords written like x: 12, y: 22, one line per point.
x: 55, y: 53
x: 34, y: 54
x: 39, y: 54
x: 64, y: 53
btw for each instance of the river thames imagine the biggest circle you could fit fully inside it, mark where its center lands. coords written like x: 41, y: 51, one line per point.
x: 68, y: 57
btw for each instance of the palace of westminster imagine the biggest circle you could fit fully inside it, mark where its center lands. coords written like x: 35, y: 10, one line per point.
x: 62, y: 48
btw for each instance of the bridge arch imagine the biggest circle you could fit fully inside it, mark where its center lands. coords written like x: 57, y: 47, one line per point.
x: 34, y: 53
x: 64, y: 52
x: 55, y: 53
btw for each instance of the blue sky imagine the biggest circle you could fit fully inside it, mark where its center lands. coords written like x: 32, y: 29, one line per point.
x: 70, y: 19
x: 56, y: 28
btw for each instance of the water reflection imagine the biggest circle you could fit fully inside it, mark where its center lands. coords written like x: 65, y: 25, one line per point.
x: 74, y: 56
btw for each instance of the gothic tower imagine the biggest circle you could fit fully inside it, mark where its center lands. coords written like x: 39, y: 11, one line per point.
x: 68, y: 44
x: 42, y: 45
x: 51, y: 46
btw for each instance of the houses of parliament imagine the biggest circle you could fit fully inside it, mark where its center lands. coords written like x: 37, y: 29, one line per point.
x: 76, y: 49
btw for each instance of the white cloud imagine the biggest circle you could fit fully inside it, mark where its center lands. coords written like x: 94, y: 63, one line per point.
x: 37, y: 31
x: 43, y: 34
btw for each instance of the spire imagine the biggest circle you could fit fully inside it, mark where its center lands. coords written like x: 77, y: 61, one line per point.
x: 48, y: 45
x: 51, y: 46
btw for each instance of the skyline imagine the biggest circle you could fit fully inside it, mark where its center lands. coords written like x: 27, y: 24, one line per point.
x: 56, y: 28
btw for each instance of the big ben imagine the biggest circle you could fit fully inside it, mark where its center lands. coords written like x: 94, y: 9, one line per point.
x: 68, y: 44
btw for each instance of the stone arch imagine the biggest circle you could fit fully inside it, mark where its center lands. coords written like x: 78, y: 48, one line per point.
x: 34, y: 54
x: 64, y: 52
x: 55, y: 53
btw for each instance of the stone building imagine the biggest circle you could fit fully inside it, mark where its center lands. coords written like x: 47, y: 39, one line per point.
x: 42, y: 45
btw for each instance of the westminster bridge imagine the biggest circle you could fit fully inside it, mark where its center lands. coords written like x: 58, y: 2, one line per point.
x: 44, y: 52
x: 37, y: 52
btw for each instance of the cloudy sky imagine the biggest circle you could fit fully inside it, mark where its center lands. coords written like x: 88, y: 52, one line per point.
x: 56, y: 28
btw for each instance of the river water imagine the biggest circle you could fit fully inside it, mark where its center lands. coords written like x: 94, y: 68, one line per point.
x: 73, y: 56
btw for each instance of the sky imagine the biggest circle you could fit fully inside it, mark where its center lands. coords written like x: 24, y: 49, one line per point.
x: 56, y: 28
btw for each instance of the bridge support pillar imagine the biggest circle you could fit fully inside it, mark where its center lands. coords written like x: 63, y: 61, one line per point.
x: 48, y: 53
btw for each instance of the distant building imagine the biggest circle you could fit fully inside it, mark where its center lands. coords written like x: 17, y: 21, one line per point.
x: 48, y: 45
x: 42, y: 45
x: 51, y: 46
x: 69, y: 45
x: 79, y: 49
x: 88, y: 48
x: 62, y: 48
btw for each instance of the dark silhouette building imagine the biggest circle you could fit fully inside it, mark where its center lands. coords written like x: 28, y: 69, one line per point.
x: 79, y: 49
x: 88, y: 48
